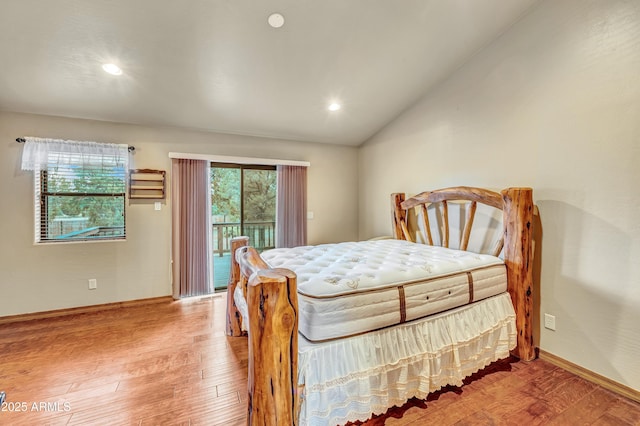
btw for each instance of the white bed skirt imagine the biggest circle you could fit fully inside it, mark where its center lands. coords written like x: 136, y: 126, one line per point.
x: 351, y: 379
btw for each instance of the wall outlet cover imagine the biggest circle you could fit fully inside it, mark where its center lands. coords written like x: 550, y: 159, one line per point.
x: 550, y: 322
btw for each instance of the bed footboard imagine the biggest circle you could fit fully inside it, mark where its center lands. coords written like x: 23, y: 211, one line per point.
x: 234, y: 319
x: 273, y: 348
x: 273, y: 337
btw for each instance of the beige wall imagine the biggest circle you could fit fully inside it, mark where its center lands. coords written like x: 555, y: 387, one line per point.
x: 46, y: 277
x: 553, y: 104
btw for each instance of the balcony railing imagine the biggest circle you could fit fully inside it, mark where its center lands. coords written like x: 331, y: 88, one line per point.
x: 261, y: 235
x: 93, y: 232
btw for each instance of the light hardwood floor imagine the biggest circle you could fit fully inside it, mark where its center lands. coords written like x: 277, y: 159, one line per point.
x: 170, y: 363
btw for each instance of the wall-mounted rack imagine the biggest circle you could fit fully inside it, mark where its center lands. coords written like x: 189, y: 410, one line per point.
x: 146, y: 184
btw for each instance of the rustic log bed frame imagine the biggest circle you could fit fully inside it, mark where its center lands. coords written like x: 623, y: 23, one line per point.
x: 271, y: 294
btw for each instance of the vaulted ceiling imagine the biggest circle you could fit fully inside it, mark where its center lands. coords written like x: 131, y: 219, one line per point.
x: 217, y: 65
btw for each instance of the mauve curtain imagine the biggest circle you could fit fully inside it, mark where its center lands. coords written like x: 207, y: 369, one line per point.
x: 190, y: 228
x: 291, y: 218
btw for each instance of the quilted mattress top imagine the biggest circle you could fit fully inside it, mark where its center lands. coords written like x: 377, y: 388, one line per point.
x: 330, y: 270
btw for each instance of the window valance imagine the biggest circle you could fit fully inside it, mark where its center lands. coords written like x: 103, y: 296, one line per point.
x: 40, y: 153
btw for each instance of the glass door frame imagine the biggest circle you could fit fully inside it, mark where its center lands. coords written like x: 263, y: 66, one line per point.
x: 241, y: 168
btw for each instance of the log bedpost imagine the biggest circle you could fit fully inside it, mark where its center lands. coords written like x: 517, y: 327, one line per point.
x: 273, y: 348
x: 518, y: 257
x: 234, y: 318
x: 398, y: 215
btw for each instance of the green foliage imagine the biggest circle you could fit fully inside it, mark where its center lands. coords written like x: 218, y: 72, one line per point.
x: 225, y: 193
x: 99, y: 210
x: 259, y: 194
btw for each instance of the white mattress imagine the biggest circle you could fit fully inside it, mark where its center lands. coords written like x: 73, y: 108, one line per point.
x: 350, y: 288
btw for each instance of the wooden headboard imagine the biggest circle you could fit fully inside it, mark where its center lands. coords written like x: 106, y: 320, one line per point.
x: 516, y: 240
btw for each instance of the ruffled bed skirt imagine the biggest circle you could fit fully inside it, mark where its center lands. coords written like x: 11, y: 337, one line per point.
x: 351, y: 379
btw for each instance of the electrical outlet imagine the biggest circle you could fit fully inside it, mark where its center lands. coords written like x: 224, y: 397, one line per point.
x: 550, y: 322
x: 93, y: 284
x: 157, y: 205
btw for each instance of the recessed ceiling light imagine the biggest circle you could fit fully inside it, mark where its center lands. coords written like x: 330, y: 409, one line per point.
x: 276, y: 20
x: 112, y: 69
x: 334, y: 107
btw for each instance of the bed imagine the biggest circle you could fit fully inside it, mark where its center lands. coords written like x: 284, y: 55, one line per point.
x: 339, y: 332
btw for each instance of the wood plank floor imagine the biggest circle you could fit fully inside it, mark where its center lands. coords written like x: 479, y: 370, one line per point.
x: 170, y: 363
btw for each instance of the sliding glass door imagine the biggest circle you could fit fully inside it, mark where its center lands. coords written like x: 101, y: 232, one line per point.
x: 243, y: 202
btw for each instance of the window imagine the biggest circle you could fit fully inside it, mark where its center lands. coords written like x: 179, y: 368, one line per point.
x: 79, y: 191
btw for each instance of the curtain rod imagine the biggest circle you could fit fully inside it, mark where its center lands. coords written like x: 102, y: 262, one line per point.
x: 23, y: 140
